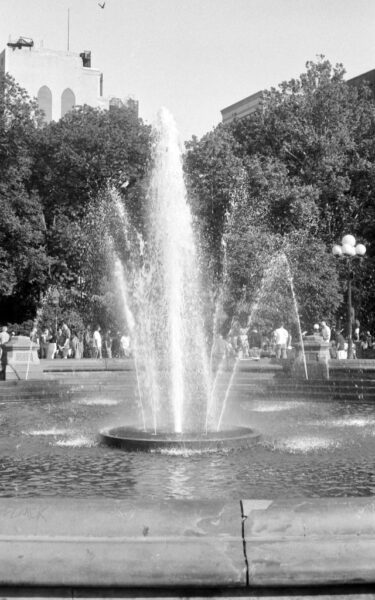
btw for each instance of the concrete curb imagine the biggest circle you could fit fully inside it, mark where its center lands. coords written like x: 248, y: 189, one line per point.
x: 310, y: 542
x: 121, y: 543
x: 105, y: 542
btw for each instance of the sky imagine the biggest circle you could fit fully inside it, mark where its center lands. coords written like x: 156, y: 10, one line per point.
x: 196, y: 57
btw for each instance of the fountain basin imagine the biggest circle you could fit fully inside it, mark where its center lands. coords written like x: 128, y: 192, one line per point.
x: 135, y: 440
x: 182, y: 548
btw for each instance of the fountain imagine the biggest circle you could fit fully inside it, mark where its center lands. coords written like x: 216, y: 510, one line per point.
x: 173, y: 369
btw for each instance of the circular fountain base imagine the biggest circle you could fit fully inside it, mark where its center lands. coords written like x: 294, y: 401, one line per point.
x: 135, y: 440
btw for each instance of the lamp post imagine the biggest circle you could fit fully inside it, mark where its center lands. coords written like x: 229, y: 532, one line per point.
x: 349, y: 249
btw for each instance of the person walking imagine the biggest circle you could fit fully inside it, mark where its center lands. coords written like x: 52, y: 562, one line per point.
x: 281, y: 336
x: 97, y: 339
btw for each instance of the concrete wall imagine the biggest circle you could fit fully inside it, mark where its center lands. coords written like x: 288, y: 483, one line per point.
x: 2, y: 61
x: 34, y: 68
x: 243, y: 108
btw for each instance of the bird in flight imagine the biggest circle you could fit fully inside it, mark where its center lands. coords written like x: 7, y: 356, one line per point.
x: 101, y: 5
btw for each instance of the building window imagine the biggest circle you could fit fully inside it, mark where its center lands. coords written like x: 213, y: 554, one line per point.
x: 68, y: 101
x: 45, y: 102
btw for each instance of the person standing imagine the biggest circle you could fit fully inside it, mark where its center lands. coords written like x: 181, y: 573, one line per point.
x: 65, y: 339
x: 281, y: 337
x: 4, y: 338
x: 125, y: 345
x: 255, y: 344
x: 116, y: 350
x: 52, y: 346
x: 234, y: 333
x: 341, y: 346
x: 326, y: 332
x: 34, y: 335
x: 108, y: 343
x: 74, y: 345
x: 243, y: 341
x: 88, y: 344
x: 97, y: 339
x: 368, y: 341
x: 44, y: 342
x: 4, y: 335
x: 60, y: 340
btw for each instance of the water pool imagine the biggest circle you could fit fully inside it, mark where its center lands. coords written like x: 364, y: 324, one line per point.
x: 308, y: 448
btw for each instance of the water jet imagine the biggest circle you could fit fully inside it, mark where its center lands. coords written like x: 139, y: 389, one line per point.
x: 163, y: 310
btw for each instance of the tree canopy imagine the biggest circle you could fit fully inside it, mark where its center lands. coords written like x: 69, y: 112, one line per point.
x: 51, y: 175
x: 270, y: 193
x: 23, y: 257
x: 306, y: 160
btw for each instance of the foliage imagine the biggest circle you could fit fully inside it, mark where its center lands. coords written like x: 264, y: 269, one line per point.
x: 213, y: 171
x: 23, y: 259
x: 79, y: 158
x: 300, y: 175
x: 283, y: 185
x: 81, y: 153
x: 265, y: 269
x: 322, y: 130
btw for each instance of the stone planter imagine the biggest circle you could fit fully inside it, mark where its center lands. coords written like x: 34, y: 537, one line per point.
x: 21, y: 360
x: 317, y: 358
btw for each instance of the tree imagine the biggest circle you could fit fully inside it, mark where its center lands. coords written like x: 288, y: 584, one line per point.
x: 322, y: 130
x: 272, y: 248
x: 213, y: 171
x: 77, y: 156
x: 23, y: 259
x: 306, y: 177
x: 76, y: 161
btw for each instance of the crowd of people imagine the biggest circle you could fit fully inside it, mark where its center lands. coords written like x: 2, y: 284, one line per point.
x: 246, y: 341
x: 91, y: 343
x: 363, y: 345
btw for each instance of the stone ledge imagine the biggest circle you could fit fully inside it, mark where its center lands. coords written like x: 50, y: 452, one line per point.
x: 106, y: 542
x: 193, y: 544
x: 310, y: 542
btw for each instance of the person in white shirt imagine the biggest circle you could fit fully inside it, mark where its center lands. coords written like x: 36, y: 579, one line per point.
x: 125, y: 343
x: 281, y: 337
x: 4, y: 335
x: 326, y: 332
x: 97, y: 339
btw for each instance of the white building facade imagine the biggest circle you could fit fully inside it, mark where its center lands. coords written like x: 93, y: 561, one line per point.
x: 58, y: 80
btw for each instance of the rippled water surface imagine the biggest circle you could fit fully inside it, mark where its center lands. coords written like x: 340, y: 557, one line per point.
x: 306, y: 449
